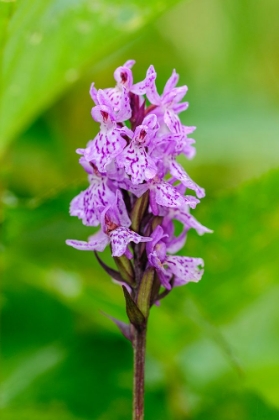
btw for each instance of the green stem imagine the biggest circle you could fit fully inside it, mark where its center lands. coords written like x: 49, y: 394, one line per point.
x: 139, y: 344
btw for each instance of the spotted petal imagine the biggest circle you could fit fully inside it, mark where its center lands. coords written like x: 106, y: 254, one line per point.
x: 178, y: 173
x: 97, y: 195
x: 172, y: 121
x: 121, y: 237
x: 171, y: 83
x: 93, y: 93
x: 105, y: 147
x: 122, y: 210
x: 188, y: 220
x: 96, y: 242
x: 167, y: 195
x: 177, y: 108
x: 174, y: 96
x: 151, y: 90
x: 137, y: 163
x: 77, y: 206
x: 185, y: 269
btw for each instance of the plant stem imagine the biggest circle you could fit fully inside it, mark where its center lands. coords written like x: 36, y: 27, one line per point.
x: 139, y: 344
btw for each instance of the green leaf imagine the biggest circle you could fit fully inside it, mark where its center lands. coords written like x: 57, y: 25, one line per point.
x: 48, y: 44
x: 138, y: 211
x: 126, y: 269
x: 203, y: 334
x: 135, y: 315
x: 145, y: 290
x: 35, y: 365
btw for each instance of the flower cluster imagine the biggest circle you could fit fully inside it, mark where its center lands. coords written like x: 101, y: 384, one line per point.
x: 137, y: 188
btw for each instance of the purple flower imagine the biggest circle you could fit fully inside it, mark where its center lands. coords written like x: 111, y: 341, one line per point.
x: 181, y: 270
x: 136, y: 187
x: 86, y: 205
x: 168, y: 103
x: 108, y: 143
x: 114, y: 222
x: 164, y: 194
x: 117, y: 98
x: 135, y: 157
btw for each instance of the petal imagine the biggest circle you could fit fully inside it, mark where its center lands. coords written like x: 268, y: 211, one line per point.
x: 125, y: 111
x: 157, y: 235
x: 153, y: 203
x: 98, y: 195
x: 151, y: 121
x: 185, y: 269
x: 177, y: 242
x: 123, y: 77
x: 93, y: 93
x: 172, y: 121
x: 103, y: 114
x: 184, y: 145
x: 164, y: 145
x: 151, y: 170
x: 97, y: 242
x: 178, y: 172
x: 125, y: 131
x: 114, y: 95
x: 146, y: 132
x: 191, y: 201
x: 164, y: 278
x: 155, y: 262
x: 137, y: 190
x: 172, y: 82
x: 163, y: 274
x: 189, y: 221
x: 121, y: 237
x: 106, y: 146
x: 167, y: 195
x: 77, y: 206
x: 104, y: 99
x: 115, y: 173
x: 188, y: 129
x: 137, y: 163
x: 180, y: 92
x: 129, y: 63
x: 86, y: 165
x: 177, y: 108
x: 122, y: 210
x: 151, y: 90
x: 80, y: 151
x: 139, y: 88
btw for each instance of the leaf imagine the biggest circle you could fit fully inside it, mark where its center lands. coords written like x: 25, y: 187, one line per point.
x: 123, y: 327
x: 229, y: 319
x: 135, y: 315
x: 138, y: 211
x: 241, y: 255
x: 35, y: 365
x: 49, y: 43
x: 145, y: 290
x: 126, y: 270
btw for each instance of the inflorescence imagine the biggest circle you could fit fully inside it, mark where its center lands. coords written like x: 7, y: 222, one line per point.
x: 137, y: 188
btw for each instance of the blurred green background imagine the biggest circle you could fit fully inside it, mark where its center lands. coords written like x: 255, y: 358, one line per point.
x: 213, y: 347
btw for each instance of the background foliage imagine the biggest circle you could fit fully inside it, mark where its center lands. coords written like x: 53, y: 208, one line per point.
x: 212, y: 347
